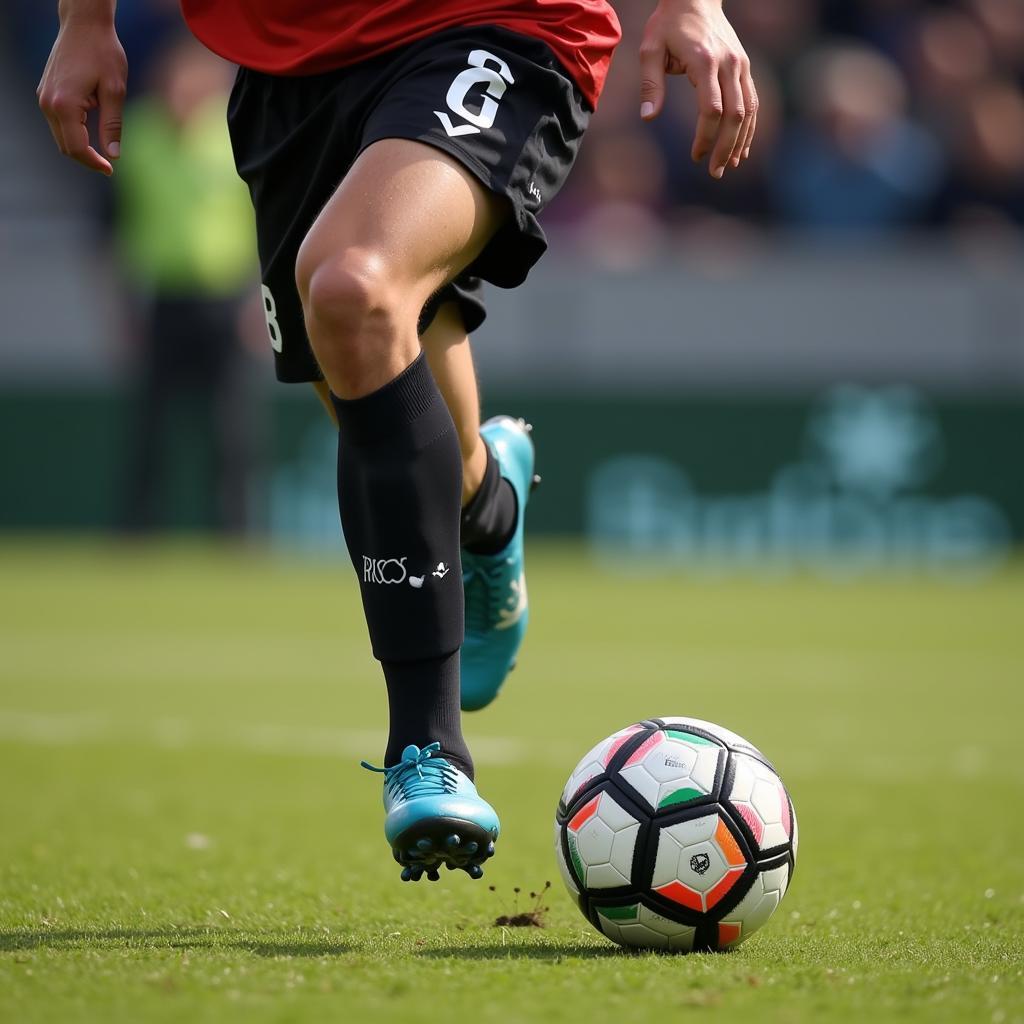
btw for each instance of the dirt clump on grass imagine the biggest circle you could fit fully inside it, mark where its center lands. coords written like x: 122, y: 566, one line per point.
x: 532, y: 918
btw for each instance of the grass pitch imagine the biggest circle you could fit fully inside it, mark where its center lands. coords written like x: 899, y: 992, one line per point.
x: 185, y: 833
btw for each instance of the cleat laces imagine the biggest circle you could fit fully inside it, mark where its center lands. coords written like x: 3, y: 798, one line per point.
x: 490, y: 602
x: 419, y: 775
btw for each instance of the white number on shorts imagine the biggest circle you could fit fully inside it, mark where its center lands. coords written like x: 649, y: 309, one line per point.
x: 270, y: 308
x: 478, y: 73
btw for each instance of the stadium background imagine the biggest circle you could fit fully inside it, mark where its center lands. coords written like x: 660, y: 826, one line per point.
x: 818, y: 360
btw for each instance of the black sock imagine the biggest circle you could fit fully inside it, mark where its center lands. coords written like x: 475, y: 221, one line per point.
x: 423, y: 697
x: 399, y: 490
x: 489, y: 520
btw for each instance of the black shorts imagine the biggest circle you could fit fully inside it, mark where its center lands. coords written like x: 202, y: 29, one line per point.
x: 497, y: 101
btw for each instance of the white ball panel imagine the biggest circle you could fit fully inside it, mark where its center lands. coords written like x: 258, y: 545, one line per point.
x: 664, y: 926
x: 605, y: 876
x: 671, y: 761
x: 623, y: 846
x: 760, y: 902
x: 706, y: 857
x: 643, y: 782
x: 639, y: 935
x: 672, y: 844
x: 767, y: 800
x: 617, y: 818
x: 605, y: 853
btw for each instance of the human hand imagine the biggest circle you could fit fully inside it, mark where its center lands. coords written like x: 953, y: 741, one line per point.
x: 87, y: 70
x: 694, y: 38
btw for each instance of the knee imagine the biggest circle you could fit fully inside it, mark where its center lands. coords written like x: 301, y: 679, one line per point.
x: 353, y: 312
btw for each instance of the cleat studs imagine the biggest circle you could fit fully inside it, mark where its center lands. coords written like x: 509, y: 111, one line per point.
x: 471, y: 848
x: 425, y: 844
x: 416, y: 873
x: 490, y: 849
x: 494, y: 833
x: 406, y: 874
x: 475, y: 871
x: 432, y: 875
x: 528, y: 427
x: 535, y: 482
x: 397, y: 856
x: 453, y: 841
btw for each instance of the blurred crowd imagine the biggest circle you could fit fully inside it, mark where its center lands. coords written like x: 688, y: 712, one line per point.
x: 877, y: 118
x: 875, y: 115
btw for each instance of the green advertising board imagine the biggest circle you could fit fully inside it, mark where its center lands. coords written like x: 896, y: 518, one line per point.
x: 853, y: 479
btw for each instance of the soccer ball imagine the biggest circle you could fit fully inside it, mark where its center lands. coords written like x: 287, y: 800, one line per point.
x: 676, y: 834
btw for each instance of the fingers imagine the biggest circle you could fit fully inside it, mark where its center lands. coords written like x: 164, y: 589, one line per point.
x: 68, y: 125
x: 750, y: 136
x: 652, y: 79
x: 742, y: 148
x: 75, y: 131
x: 111, y: 97
x: 734, y: 113
x: 703, y: 74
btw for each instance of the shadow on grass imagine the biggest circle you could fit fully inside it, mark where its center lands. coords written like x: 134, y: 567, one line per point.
x: 171, y: 938
x: 553, y: 952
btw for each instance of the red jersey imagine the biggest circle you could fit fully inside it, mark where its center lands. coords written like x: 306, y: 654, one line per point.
x: 306, y: 37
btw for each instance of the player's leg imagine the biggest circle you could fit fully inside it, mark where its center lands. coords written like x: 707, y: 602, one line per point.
x: 448, y: 352
x: 496, y: 483
x: 404, y: 221
x: 446, y: 345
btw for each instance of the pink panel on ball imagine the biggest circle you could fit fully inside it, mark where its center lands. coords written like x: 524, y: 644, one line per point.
x: 617, y: 745
x: 750, y: 816
x: 648, y: 744
x: 787, y: 822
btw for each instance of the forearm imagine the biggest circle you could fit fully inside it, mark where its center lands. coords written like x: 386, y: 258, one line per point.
x: 93, y: 11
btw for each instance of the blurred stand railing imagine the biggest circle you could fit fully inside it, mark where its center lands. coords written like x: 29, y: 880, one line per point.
x: 771, y: 314
x: 777, y: 315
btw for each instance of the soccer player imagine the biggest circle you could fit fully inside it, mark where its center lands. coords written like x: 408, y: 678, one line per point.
x: 398, y: 152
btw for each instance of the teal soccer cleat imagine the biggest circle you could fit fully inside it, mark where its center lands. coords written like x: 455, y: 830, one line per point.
x: 435, y: 816
x: 495, y: 585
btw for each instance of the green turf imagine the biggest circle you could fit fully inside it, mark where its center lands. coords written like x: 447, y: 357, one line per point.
x: 185, y: 834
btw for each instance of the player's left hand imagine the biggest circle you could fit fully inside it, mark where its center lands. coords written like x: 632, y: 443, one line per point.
x: 694, y: 38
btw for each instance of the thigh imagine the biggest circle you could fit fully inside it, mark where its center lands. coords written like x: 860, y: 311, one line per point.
x: 413, y: 211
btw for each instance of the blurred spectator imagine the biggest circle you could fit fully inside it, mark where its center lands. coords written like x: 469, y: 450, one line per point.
x: 869, y: 112
x: 780, y: 31
x: 185, y: 234
x: 855, y: 160
x: 1003, y: 23
x: 986, y: 184
x: 949, y: 55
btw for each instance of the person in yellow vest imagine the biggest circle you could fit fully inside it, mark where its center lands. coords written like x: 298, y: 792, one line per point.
x: 185, y: 235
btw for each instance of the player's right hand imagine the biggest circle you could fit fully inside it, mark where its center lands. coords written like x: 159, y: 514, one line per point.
x: 87, y: 70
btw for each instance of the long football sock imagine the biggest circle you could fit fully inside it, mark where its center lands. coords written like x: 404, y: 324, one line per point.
x: 423, y: 697
x: 489, y: 520
x: 399, y: 489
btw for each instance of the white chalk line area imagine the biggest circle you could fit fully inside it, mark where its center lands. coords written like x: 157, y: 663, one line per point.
x: 167, y: 733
